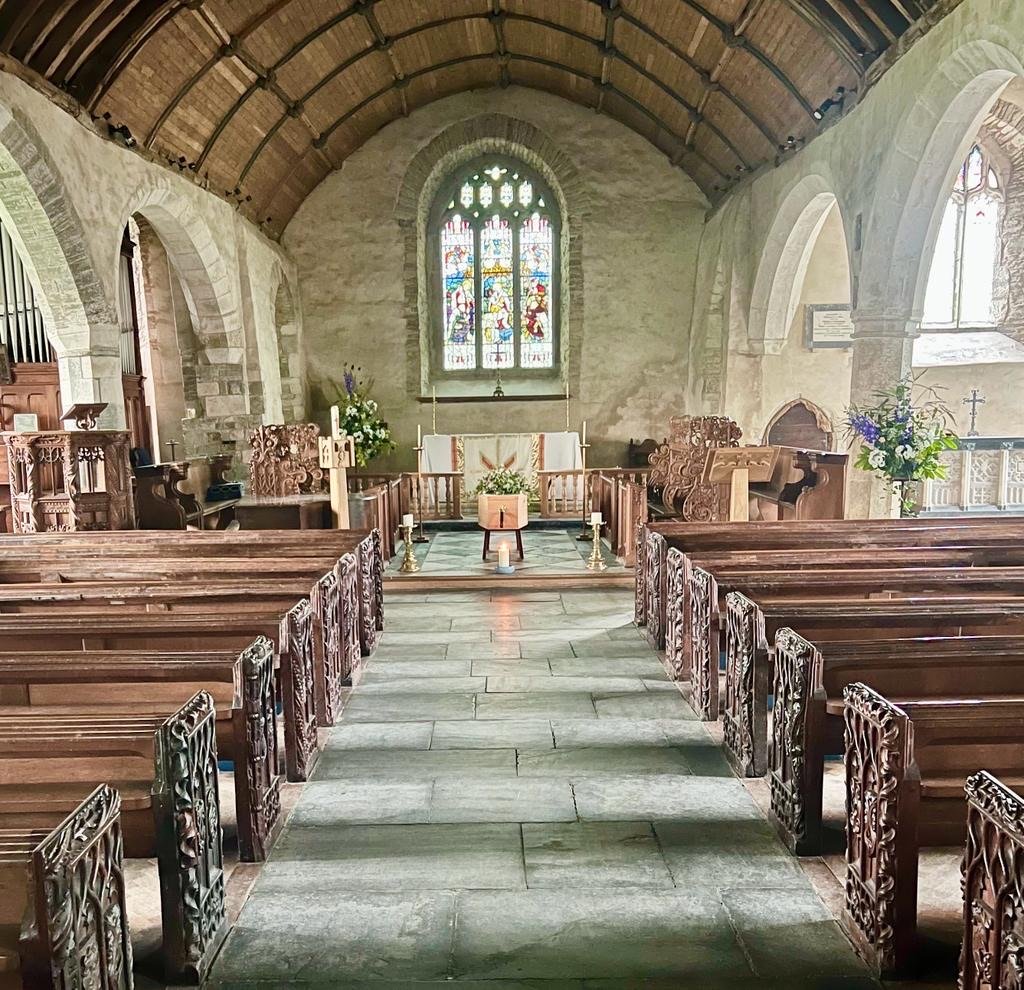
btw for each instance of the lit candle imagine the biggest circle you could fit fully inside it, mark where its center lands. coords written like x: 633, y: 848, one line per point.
x: 407, y: 520
x: 595, y: 519
x: 503, y: 555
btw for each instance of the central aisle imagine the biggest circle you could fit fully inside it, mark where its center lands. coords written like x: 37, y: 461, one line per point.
x: 517, y: 793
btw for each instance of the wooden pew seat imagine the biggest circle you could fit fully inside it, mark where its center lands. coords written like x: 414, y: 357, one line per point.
x: 168, y: 762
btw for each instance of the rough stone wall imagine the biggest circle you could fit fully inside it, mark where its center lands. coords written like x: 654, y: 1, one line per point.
x: 634, y: 228
x: 68, y: 193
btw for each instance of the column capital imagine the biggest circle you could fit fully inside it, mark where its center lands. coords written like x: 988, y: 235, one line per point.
x: 884, y: 325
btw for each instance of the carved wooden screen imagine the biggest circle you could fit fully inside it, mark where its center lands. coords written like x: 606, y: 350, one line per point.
x: 677, y: 466
x: 286, y: 460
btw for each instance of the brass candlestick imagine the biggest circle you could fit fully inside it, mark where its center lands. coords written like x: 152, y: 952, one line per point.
x: 584, y: 535
x: 596, y: 562
x: 410, y: 565
x: 419, y: 492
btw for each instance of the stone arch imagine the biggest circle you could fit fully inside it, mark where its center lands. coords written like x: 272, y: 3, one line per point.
x: 918, y: 171
x: 288, y: 324
x: 48, y: 235
x: 216, y: 356
x: 784, y: 259
x: 461, y: 142
x: 805, y: 422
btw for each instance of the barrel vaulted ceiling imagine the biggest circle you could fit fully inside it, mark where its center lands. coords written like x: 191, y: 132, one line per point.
x: 262, y: 98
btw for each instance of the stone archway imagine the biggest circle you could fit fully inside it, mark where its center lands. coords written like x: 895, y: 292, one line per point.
x: 800, y: 423
x: 215, y: 359
x: 462, y: 142
x: 784, y: 259
x: 48, y: 236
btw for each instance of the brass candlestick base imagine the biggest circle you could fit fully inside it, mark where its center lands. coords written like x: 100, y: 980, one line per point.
x: 410, y: 565
x: 595, y: 562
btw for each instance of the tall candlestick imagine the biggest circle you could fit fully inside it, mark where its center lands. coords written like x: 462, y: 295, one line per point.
x: 433, y: 410
x: 567, y: 405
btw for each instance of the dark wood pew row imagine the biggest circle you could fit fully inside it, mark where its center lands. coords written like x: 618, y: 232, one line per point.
x: 174, y: 632
x: 751, y: 628
x: 63, y: 918
x: 696, y: 539
x: 906, y: 767
x: 694, y: 640
x: 165, y: 770
x: 993, y: 886
x: 240, y: 684
x: 334, y: 597
x: 261, y: 555
x: 807, y: 719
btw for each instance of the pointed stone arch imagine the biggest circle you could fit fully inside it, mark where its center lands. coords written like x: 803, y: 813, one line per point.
x: 800, y: 423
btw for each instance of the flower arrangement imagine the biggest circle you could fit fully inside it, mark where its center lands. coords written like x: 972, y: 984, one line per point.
x: 901, y: 440
x: 360, y: 419
x: 503, y: 481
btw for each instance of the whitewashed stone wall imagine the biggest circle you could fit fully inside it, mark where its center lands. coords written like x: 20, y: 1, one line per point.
x: 635, y: 224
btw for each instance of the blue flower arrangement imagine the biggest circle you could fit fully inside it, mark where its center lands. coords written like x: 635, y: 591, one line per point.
x: 361, y: 420
x: 902, y: 440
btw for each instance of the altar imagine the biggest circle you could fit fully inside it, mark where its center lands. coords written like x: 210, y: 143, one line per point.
x: 475, y: 454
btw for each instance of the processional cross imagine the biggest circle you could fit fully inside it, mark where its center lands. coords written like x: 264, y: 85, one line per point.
x: 974, y: 400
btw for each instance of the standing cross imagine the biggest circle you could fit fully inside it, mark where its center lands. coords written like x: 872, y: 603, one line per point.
x: 974, y: 400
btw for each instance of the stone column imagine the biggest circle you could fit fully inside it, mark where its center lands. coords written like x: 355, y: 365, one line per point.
x: 92, y: 373
x: 883, y: 350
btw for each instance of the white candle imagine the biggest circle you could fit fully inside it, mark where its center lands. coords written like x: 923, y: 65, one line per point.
x: 407, y: 520
x: 503, y: 555
x: 595, y: 519
x: 419, y: 436
x: 584, y: 441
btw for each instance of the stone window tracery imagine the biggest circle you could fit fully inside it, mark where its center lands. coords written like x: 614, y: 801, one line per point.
x: 962, y: 275
x: 495, y: 234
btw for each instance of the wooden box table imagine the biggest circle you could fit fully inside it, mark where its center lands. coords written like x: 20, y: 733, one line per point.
x: 284, y: 512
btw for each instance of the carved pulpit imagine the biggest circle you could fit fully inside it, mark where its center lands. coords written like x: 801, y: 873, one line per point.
x: 737, y: 467
x: 71, y: 480
x: 286, y: 460
x: 677, y: 466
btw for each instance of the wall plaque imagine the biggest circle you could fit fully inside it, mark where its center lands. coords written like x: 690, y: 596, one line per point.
x: 828, y: 325
x: 25, y: 423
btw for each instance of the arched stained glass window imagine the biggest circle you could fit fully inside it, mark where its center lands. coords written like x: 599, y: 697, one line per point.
x: 960, y: 282
x: 497, y: 230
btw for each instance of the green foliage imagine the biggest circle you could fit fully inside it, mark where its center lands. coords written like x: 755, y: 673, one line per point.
x: 360, y: 419
x: 900, y: 439
x: 503, y: 481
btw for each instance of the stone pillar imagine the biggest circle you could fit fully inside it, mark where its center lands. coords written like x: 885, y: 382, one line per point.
x: 883, y: 350
x: 93, y: 374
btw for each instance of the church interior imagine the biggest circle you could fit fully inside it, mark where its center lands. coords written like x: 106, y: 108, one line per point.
x: 512, y: 494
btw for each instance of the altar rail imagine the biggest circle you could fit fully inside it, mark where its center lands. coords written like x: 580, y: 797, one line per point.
x: 561, y: 493
x: 984, y: 474
x: 442, y: 491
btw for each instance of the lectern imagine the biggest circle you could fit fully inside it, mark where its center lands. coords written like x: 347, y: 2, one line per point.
x: 337, y: 455
x: 738, y: 467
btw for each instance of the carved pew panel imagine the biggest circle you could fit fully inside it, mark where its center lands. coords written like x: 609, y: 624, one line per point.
x: 702, y: 643
x: 76, y: 931
x: 298, y: 666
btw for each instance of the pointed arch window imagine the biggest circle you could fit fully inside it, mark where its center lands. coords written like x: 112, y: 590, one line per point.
x: 496, y: 228
x: 962, y: 274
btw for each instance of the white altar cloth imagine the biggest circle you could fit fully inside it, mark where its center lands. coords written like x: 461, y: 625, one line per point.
x: 475, y: 454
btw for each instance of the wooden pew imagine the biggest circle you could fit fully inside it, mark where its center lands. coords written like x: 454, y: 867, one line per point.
x: 807, y: 718
x: 264, y: 552
x: 750, y: 629
x: 240, y: 684
x: 63, y: 920
x: 906, y: 767
x: 992, y: 885
x: 165, y: 769
x: 697, y: 539
x: 694, y: 639
x: 291, y: 635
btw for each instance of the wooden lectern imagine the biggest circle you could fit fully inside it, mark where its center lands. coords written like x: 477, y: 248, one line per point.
x: 337, y: 455
x: 738, y: 467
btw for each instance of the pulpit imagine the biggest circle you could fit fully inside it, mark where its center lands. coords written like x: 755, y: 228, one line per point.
x: 71, y: 480
x: 286, y: 460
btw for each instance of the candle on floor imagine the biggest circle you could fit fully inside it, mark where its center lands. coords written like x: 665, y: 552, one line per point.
x: 595, y: 519
x: 407, y: 520
x: 503, y: 555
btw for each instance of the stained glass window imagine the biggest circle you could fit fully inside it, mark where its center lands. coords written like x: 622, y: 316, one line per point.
x: 962, y: 273
x: 458, y: 268
x: 499, y: 252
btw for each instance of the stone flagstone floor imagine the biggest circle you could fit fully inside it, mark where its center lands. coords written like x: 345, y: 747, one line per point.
x: 516, y: 796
